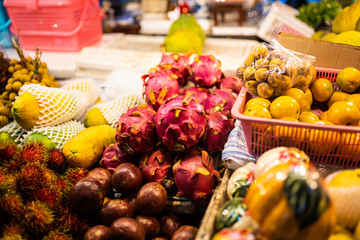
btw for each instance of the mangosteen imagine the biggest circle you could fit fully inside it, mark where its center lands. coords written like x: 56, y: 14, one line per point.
x: 185, y: 232
x: 150, y: 224
x: 169, y: 223
x: 103, y: 176
x: 99, y: 232
x: 126, y: 228
x: 127, y: 178
x: 114, y: 209
x: 151, y: 198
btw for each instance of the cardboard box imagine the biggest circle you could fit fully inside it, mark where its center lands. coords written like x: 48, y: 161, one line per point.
x: 328, y: 54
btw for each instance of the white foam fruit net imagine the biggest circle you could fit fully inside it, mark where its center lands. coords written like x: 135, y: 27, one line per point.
x: 87, y: 86
x: 15, y: 131
x: 113, y: 109
x: 58, y: 134
x: 56, y: 105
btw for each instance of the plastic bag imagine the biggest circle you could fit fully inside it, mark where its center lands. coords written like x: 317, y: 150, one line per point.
x: 272, y: 69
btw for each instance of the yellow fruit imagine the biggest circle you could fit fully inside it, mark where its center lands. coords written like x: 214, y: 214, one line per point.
x: 25, y: 111
x: 355, y: 99
x: 257, y: 111
x: 94, y: 117
x: 329, y: 36
x: 264, y: 90
x: 324, y: 116
x: 313, y: 73
x: 341, y: 233
x: 348, y: 79
x: 289, y: 133
x: 323, y: 141
x: 308, y: 117
x: 350, y: 144
x: 16, y: 86
x: 337, y: 96
x: 344, y: 190
x: 258, y: 101
x: 249, y: 61
x: 309, y: 96
x: 348, y: 37
x: 285, y: 106
x: 343, y: 113
x: 321, y: 89
x: 261, y: 51
x: 300, y: 97
x: 85, y: 148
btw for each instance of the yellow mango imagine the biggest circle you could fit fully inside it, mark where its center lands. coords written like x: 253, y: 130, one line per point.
x: 85, y: 148
x: 26, y: 111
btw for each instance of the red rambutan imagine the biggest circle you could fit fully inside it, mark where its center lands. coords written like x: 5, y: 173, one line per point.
x: 38, y: 216
x: 73, y: 175
x: 57, y: 161
x: 49, y: 196
x: 57, y: 235
x: 8, y: 147
x: 14, y: 229
x: 35, y: 151
x: 12, y: 204
x: 74, y: 225
x: 13, y: 165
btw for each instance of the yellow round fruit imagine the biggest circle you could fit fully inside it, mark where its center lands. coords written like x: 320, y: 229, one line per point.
x: 321, y: 89
x: 285, y: 133
x: 285, y: 106
x: 337, y: 96
x: 313, y: 73
x: 343, y: 113
x: 348, y: 79
x: 300, y: 97
x: 258, y: 101
x: 323, y: 141
x: 323, y: 116
x: 350, y: 144
x: 264, y: 90
x: 355, y: 99
x: 308, y: 117
x: 257, y: 111
x: 309, y: 96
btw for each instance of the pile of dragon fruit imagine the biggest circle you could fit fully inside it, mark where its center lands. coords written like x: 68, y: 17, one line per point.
x: 186, y: 120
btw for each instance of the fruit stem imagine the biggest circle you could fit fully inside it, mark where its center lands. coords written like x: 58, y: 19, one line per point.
x: 19, y: 50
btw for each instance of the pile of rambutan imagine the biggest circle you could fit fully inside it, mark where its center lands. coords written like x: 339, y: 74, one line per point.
x: 34, y: 185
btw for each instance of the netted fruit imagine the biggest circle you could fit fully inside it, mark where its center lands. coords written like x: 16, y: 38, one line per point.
x: 195, y: 175
x: 159, y: 86
x: 206, y: 71
x: 220, y: 100
x: 180, y: 123
x: 135, y: 131
x: 218, y: 130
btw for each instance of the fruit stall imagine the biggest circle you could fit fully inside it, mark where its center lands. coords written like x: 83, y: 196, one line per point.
x: 183, y: 136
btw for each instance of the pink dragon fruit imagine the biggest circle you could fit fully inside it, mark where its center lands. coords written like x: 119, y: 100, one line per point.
x: 206, y: 71
x: 135, y: 131
x: 180, y: 123
x: 197, y: 93
x: 113, y: 156
x: 157, y: 167
x: 232, y: 83
x: 177, y: 64
x: 220, y: 100
x: 159, y: 86
x: 195, y: 175
x: 217, y: 132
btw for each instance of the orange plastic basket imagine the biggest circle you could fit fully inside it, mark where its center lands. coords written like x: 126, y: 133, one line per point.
x: 326, y: 144
x: 62, y: 25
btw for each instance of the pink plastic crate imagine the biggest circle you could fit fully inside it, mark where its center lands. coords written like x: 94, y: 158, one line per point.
x: 64, y: 25
x: 335, y: 145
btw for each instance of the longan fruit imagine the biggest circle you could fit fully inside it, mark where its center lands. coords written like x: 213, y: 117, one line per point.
x: 25, y: 78
x: 264, y: 90
x: 13, y: 62
x: 10, y: 80
x: 17, y: 77
x: 16, y: 86
x: 12, y: 96
x: 261, y: 74
x: 5, y: 95
x: 34, y: 81
x: 47, y: 81
x: 24, y: 71
x: 43, y: 64
x: 11, y: 69
x: 17, y: 67
x: 8, y: 87
x: 261, y: 51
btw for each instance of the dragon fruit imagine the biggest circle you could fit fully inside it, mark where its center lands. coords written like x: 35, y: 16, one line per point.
x: 195, y: 175
x: 220, y: 100
x: 178, y: 64
x: 206, y: 71
x: 135, y: 130
x: 113, y: 156
x: 159, y: 86
x: 157, y: 167
x: 197, y: 93
x: 231, y: 83
x: 217, y: 132
x: 180, y: 123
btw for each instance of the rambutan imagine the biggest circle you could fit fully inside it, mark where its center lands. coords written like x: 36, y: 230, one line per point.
x: 12, y: 204
x: 57, y: 235
x: 14, y: 229
x: 50, y: 196
x: 35, y: 151
x: 72, y: 223
x: 8, y: 147
x: 13, y: 165
x: 31, y: 177
x: 13, y: 237
x: 73, y: 175
x: 57, y: 161
x: 38, y: 216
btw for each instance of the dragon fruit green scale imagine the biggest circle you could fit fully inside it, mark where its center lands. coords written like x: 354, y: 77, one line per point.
x: 180, y: 123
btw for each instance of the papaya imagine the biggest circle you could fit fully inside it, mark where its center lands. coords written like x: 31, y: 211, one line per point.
x: 85, y: 148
